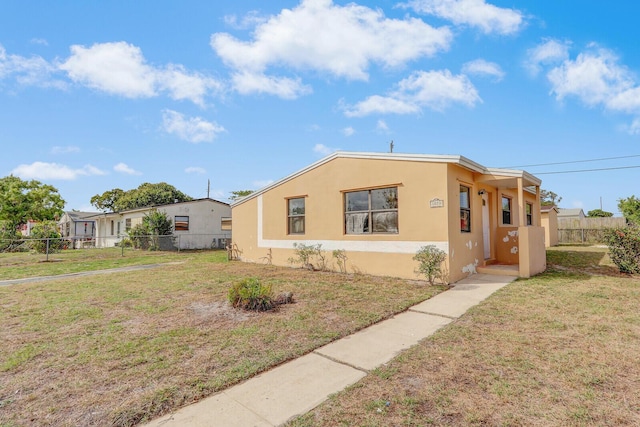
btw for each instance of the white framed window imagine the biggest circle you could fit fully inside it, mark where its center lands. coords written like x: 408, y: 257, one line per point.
x: 465, y: 209
x: 295, y: 215
x: 506, y: 210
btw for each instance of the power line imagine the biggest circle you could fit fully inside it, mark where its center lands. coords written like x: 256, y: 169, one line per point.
x: 588, y: 170
x: 575, y: 161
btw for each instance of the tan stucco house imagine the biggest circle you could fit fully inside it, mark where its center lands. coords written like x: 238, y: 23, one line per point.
x: 381, y: 208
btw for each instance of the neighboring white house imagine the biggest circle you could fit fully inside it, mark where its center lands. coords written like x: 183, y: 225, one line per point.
x: 197, y: 224
x: 79, y: 227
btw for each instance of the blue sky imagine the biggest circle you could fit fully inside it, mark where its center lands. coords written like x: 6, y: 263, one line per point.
x: 103, y: 95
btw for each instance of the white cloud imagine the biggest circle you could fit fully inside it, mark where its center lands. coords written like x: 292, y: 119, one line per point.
x: 119, y: 68
x: 475, y: 13
x: 195, y: 169
x: 481, y: 67
x: 382, y: 126
x: 192, y: 129
x: 348, y: 131
x: 549, y: 52
x: 323, y: 149
x: 42, y: 42
x: 125, y: 169
x: 65, y: 150
x: 44, y: 171
x: 634, y: 128
x: 594, y: 77
x: 317, y: 35
x: 247, y: 82
x: 627, y: 101
x: 32, y: 71
x: 248, y: 21
x: 435, y: 90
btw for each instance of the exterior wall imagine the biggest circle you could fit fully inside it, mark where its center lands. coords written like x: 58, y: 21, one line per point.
x: 428, y: 214
x: 532, y: 254
x: 507, y: 245
x: 466, y: 251
x: 205, y: 218
x: 205, y: 224
x: 550, y: 224
x: 260, y: 224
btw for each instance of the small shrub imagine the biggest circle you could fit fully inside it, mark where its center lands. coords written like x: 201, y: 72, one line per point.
x: 341, y: 259
x: 305, y: 254
x: 624, y: 248
x: 250, y: 294
x: 430, y: 261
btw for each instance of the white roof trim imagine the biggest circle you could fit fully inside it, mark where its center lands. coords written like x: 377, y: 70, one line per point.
x: 427, y: 158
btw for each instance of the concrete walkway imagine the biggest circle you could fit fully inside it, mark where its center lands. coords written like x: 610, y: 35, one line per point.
x: 296, y: 387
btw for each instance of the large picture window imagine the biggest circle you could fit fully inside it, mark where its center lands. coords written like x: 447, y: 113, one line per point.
x: 296, y: 213
x: 506, y: 210
x: 181, y: 223
x: 465, y: 209
x: 371, y: 211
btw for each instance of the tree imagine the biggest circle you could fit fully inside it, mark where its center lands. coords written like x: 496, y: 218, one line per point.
x: 549, y: 198
x: 46, y: 231
x: 145, y: 195
x: 106, y: 201
x: 239, y: 194
x: 630, y: 208
x: 154, y: 224
x: 21, y: 201
x: 599, y: 213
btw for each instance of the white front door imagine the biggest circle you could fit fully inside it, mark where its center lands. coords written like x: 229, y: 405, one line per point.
x: 486, y: 235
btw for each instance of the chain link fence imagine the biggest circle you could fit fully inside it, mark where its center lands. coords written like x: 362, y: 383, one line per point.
x: 152, y: 242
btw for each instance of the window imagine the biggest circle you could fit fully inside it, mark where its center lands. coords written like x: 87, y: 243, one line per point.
x: 181, y: 223
x: 465, y: 209
x: 112, y: 228
x: 371, y: 211
x: 506, y: 210
x: 295, y: 216
x: 119, y: 223
x: 127, y: 224
x: 529, y: 214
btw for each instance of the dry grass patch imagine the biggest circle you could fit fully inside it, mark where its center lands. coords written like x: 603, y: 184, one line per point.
x: 123, y: 348
x: 30, y: 264
x: 560, y: 349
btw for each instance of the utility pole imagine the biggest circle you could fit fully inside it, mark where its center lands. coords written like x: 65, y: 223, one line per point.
x: 208, y: 187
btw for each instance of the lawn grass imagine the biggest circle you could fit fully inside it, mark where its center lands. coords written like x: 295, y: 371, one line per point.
x: 124, y: 348
x: 30, y: 264
x: 559, y: 349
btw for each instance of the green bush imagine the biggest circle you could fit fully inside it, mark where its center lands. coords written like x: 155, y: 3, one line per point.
x: 250, y: 294
x: 430, y: 261
x: 624, y: 248
x: 43, y: 231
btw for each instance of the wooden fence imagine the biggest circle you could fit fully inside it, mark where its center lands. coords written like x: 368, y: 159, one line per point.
x: 586, y: 230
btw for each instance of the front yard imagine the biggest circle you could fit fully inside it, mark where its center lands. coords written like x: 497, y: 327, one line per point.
x: 559, y: 349
x: 122, y: 348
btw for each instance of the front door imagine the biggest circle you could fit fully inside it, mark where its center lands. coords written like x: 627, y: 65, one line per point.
x: 486, y: 232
